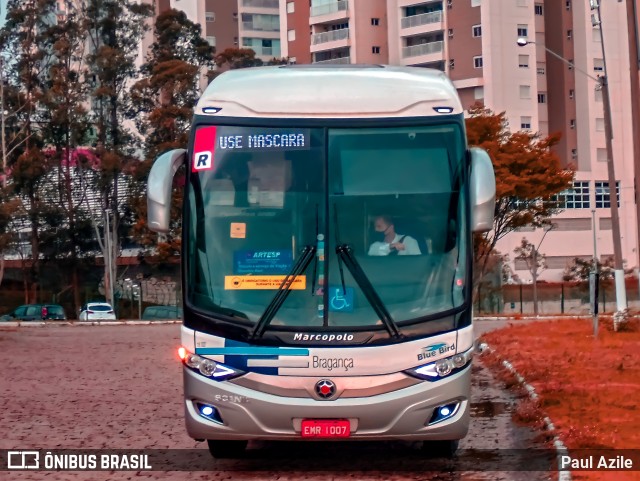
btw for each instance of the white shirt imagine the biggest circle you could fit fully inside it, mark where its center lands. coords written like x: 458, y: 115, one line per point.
x: 384, y: 248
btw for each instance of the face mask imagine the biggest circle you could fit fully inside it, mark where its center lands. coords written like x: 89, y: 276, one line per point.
x: 379, y: 235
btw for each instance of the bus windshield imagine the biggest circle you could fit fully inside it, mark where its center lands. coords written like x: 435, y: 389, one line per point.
x: 372, y: 221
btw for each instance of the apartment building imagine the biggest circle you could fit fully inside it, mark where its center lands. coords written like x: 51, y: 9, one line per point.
x: 570, y: 101
x: 259, y: 27
x: 253, y: 24
x: 330, y: 31
x: 475, y: 43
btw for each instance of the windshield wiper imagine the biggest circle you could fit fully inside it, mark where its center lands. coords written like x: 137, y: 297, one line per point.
x: 283, y: 291
x: 345, y: 253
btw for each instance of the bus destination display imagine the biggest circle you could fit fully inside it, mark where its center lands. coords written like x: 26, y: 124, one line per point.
x: 257, y: 141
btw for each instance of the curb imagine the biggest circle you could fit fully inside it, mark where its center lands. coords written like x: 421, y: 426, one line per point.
x: 84, y: 323
x: 561, y: 449
x: 549, y: 317
x: 546, y: 317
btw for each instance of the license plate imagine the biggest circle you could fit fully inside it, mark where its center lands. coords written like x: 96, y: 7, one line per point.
x: 326, y: 428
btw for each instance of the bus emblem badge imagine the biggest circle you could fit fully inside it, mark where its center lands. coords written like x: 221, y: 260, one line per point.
x: 325, y: 388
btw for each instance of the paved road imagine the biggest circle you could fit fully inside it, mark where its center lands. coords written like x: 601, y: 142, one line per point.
x: 120, y: 388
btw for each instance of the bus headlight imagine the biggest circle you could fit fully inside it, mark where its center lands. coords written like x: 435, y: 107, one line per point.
x: 459, y: 360
x: 444, y: 367
x: 208, y: 367
x: 441, y: 368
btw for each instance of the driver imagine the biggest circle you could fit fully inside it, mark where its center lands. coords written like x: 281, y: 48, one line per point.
x: 393, y: 243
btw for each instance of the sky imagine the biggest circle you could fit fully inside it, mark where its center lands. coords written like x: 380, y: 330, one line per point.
x: 3, y: 5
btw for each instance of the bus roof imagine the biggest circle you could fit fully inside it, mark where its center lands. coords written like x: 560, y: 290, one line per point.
x: 332, y: 91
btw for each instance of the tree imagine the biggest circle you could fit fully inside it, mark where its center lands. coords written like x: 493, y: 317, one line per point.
x: 580, y: 269
x: 164, y: 98
x: 535, y: 262
x: 9, y: 205
x: 234, y: 58
x: 21, y: 41
x: 65, y: 127
x: 115, y: 29
x: 528, y: 175
x: 162, y: 106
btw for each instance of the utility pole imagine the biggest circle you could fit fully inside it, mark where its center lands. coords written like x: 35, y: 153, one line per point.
x: 634, y: 77
x: 621, y: 295
x: 622, y: 312
x: 594, y: 278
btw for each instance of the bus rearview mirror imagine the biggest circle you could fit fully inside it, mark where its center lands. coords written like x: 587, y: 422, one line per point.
x: 482, y: 188
x: 159, y: 188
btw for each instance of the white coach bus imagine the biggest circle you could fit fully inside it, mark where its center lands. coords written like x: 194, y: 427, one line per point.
x: 327, y: 247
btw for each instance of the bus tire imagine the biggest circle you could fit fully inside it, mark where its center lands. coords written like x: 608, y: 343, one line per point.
x: 440, y: 449
x: 226, y: 449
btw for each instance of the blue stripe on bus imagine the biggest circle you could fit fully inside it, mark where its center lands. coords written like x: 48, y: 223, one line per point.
x: 241, y: 362
x: 251, y: 351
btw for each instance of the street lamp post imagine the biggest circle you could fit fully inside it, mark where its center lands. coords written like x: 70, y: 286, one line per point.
x: 621, y: 295
x: 534, y: 271
x: 594, y: 278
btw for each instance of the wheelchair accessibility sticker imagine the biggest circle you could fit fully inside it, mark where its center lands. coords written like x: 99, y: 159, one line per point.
x: 339, y: 300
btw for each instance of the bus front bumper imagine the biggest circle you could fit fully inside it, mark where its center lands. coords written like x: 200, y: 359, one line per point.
x: 404, y: 414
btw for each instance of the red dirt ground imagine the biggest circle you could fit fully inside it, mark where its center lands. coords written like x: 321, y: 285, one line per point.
x: 590, y: 388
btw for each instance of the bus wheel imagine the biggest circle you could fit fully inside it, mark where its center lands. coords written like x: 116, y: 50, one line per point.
x: 440, y: 449
x: 226, y: 449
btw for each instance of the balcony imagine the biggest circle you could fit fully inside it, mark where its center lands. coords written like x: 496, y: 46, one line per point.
x: 264, y: 52
x: 422, y: 49
x: 273, y: 4
x: 335, y: 39
x: 332, y: 36
x: 256, y: 27
x: 340, y: 60
x: 422, y: 19
x: 329, y: 8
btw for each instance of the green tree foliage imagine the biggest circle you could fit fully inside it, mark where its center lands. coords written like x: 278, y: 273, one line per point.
x: 65, y: 128
x: 579, y: 270
x: 162, y: 106
x: 234, y: 58
x: 21, y: 41
x: 9, y: 207
x: 528, y: 175
x: 164, y: 98
x: 114, y: 29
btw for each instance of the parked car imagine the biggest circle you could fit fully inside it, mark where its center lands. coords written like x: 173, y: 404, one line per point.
x: 36, y: 312
x: 97, y: 311
x: 162, y: 312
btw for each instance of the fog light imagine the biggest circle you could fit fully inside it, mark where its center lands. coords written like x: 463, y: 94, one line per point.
x: 444, y: 412
x: 209, y: 412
